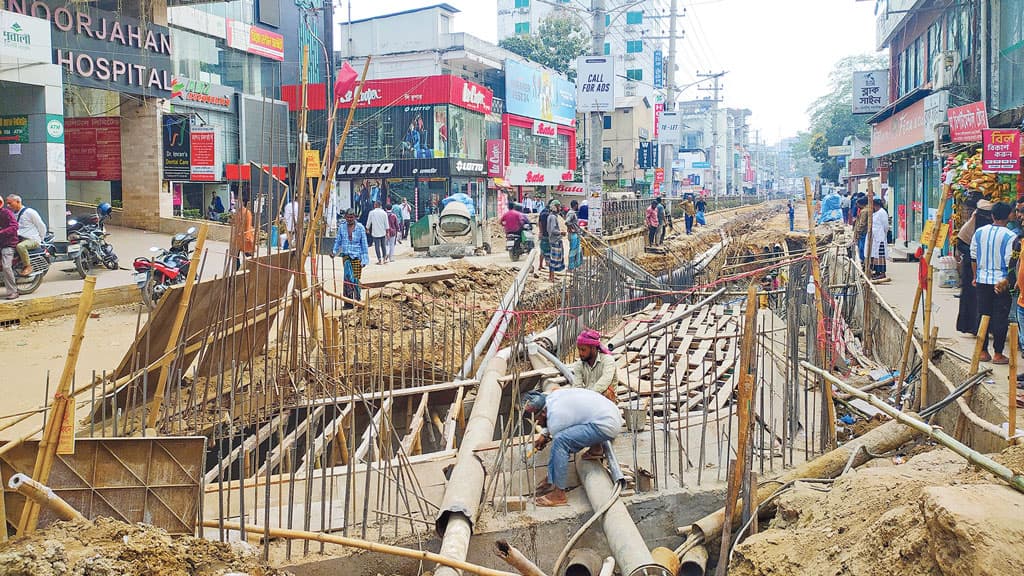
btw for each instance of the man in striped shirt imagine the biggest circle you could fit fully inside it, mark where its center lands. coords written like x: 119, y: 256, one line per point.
x: 991, y: 251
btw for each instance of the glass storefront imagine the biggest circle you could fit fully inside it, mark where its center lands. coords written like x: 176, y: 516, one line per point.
x: 210, y: 60
x: 528, y: 149
x: 424, y: 131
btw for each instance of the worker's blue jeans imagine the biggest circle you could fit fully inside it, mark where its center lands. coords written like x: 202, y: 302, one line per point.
x: 568, y: 442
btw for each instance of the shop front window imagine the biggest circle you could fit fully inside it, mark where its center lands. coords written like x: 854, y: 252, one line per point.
x: 405, y: 132
x: 527, y: 149
x: 208, y: 59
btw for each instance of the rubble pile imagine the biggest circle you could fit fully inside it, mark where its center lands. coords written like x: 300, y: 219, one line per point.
x: 109, y: 547
x: 933, y: 515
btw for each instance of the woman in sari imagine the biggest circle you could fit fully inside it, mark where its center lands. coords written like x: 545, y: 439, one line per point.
x: 572, y: 223
x: 556, y: 238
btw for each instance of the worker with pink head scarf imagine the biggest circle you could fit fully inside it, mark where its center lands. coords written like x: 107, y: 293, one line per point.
x: 595, y: 370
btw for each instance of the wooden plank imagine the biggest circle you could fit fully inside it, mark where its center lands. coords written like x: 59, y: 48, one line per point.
x: 327, y: 435
x: 450, y: 421
x: 417, y: 278
x: 411, y: 442
x: 247, y: 445
x: 373, y: 431
x: 278, y: 453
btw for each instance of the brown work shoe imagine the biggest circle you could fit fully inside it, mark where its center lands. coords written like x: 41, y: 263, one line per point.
x: 1000, y: 359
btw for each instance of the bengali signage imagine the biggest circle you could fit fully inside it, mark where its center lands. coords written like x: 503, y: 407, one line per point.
x: 199, y: 94
x: 92, y: 148
x: 101, y: 49
x: 870, y: 91
x: 1000, y: 151
x: 967, y: 122
x: 496, y: 158
x: 14, y: 129
x: 901, y: 130
x: 595, y: 84
x: 539, y: 93
x: 24, y: 37
x: 935, y: 108
x: 255, y: 40
x: 176, y: 130
x: 203, y: 154
x: 836, y: 151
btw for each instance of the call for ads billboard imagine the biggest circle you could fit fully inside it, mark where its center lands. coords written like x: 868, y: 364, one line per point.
x: 539, y: 93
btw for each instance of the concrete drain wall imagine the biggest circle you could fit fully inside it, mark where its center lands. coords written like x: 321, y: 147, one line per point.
x: 539, y: 536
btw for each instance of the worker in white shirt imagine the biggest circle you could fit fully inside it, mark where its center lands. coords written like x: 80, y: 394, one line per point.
x: 31, y: 230
x: 377, y: 226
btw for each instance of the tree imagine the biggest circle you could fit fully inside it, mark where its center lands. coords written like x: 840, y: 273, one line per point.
x: 832, y: 118
x: 558, y: 42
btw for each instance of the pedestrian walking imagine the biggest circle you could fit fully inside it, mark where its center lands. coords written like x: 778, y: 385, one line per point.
x: 689, y: 214
x: 243, y: 233
x: 651, y: 219
x: 860, y: 226
x: 879, y: 241
x: 662, y: 220
x: 542, y: 231
x: 981, y: 215
x: 351, y: 245
x: 406, y: 217
x: 791, y: 211
x: 844, y: 205
x: 572, y: 224
x: 377, y: 228
x: 991, y: 251
x: 555, y: 225
x: 290, y: 215
x: 573, y: 419
x: 393, y: 231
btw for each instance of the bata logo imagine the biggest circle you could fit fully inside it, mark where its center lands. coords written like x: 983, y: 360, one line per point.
x: 470, y: 95
x: 543, y: 129
x: 461, y: 166
x: 534, y: 178
x: 365, y: 97
x: 379, y: 168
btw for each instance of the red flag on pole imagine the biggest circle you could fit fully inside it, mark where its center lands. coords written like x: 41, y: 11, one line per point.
x: 345, y: 84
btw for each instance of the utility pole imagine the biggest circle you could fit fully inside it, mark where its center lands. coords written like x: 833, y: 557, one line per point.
x: 595, y: 159
x: 668, y: 151
x: 714, y: 131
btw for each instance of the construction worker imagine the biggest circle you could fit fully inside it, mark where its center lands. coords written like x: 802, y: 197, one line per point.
x: 574, y: 419
x: 595, y: 370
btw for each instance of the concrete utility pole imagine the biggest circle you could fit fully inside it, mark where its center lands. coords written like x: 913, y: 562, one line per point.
x: 595, y: 160
x: 668, y: 151
x: 714, y: 131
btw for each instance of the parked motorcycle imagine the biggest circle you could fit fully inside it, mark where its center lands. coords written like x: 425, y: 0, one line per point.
x: 41, y: 258
x: 87, y: 242
x: 520, y: 242
x: 165, y: 269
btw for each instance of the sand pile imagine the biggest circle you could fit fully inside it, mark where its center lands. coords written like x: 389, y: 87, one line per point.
x: 111, y: 548
x: 934, y: 515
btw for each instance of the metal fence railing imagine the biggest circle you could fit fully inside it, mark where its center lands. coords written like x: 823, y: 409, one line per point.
x: 627, y: 214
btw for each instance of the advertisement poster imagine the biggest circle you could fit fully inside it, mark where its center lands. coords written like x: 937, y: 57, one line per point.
x: 595, y: 211
x: 496, y: 158
x: 870, y: 91
x: 92, y: 148
x: 595, y: 81
x: 967, y: 122
x: 421, y: 131
x: 901, y: 222
x: 14, y: 129
x: 539, y: 93
x: 203, y: 154
x: 1000, y: 152
x: 177, y: 147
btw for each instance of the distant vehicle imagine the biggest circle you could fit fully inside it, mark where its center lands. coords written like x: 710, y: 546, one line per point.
x: 165, y: 269
x: 41, y: 258
x: 87, y: 242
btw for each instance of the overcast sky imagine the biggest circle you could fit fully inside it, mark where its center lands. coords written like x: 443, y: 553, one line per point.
x: 778, y: 53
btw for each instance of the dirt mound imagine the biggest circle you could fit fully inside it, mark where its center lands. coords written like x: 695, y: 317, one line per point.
x: 932, y: 515
x: 111, y: 548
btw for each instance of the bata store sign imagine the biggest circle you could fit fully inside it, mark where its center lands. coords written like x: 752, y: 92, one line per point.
x: 423, y: 90
x: 534, y: 176
x: 544, y: 129
x: 104, y: 50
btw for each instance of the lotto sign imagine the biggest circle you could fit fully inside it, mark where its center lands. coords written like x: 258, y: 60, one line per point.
x: 1000, y: 151
x: 595, y: 88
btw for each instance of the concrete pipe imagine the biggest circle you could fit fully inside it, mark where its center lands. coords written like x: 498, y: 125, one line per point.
x: 583, y: 562
x: 666, y: 558
x: 694, y: 562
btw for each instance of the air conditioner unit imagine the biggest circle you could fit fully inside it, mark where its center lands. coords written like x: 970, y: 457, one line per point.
x: 945, y: 66
x: 630, y: 57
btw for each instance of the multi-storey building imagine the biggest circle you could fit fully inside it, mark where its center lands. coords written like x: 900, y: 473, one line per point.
x: 635, y: 31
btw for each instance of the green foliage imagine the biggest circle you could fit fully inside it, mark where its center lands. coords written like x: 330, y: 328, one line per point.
x: 832, y: 118
x: 192, y: 213
x: 557, y: 43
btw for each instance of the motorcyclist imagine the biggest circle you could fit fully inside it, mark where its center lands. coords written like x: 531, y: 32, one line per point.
x: 8, y: 240
x: 513, y: 220
x: 31, y: 230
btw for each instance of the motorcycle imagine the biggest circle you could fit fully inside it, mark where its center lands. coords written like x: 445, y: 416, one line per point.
x: 41, y: 258
x: 165, y: 269
x: 521, y: 242
x: 87, y: 242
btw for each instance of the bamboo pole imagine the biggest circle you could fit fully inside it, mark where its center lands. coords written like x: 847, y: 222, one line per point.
x: 937, y: 222
x: 176, y: 328
x: 516, y: 559
x: 922, y: 395
x: 821, y: 352
x: 1016, y: 481
x: 51, y: 434
x: 867, y: 266
x: 1011, y: 397
x: 979, y: 344
x: 744, y: 407
x: 421, y: 555
x: 44, y: 497
x: 927, y: 356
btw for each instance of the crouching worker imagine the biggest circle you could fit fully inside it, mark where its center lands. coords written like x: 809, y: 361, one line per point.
x: 574, y: 419
x: 595, y: 370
